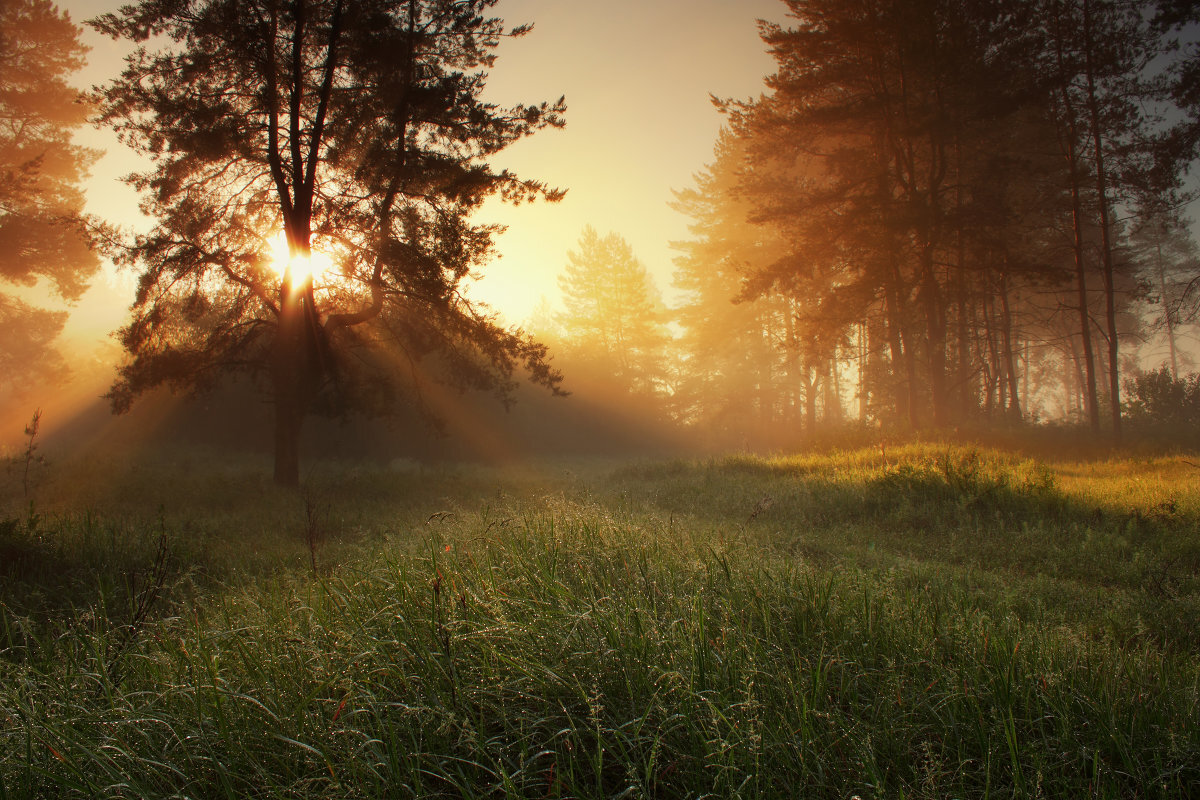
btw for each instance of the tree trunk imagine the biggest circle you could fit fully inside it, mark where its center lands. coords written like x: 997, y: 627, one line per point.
x: 1069, y: 140
x: 1167, y: 315
x: 1110, y: 290
x: 1025, y: 377
x: 968, y: 402
x: 901, y: 349
x: 1081, y: 390
x: 287, y: 441
x: 832, y: 399
x: 298, y: 366
x: 993, y: 377
x: 935, y: 326
x: 1014, y: 404
x: 287, y: 365
x: 811, y: 382
x: 863, y: 354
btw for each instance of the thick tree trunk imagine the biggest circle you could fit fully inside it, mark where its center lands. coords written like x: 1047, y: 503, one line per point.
x: 288, y: 420
x: 287, y: 365
x: 298, y: 366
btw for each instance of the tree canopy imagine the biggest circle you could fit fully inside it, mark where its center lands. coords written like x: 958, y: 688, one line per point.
x: 355, y: 131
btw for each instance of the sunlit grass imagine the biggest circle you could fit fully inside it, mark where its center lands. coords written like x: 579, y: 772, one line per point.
x: 925, y: 621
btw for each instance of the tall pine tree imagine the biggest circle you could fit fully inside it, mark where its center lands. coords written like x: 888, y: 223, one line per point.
x: 356, y: 129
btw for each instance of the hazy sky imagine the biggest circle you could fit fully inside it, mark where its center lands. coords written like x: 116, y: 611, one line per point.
x: 637, y: 75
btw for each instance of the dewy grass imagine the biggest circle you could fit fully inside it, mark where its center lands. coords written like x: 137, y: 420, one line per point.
x: 924, y: 623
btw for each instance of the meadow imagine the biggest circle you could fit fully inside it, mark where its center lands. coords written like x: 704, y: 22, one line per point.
x: 919, y: 621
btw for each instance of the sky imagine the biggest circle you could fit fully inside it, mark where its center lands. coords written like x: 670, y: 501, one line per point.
x: 637, y: 75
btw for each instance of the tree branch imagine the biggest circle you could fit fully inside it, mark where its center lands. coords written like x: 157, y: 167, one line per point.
x: 274, y: 160
x: 318, y: 129
x: 296, y: 100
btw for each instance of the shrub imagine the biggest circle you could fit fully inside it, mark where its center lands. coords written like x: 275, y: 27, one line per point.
x: 1158, y: 397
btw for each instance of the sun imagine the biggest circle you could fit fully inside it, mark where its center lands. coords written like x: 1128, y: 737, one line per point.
x: 315, y: 267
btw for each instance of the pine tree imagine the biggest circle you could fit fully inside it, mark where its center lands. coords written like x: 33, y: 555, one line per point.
x: 1169, y: 262
x: 735, y: 355
x: 614, y: 317
x: 42, y: 236
x: 356, y: 130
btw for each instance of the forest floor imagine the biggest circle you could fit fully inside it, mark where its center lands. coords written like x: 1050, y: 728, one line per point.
x: 923, y: 621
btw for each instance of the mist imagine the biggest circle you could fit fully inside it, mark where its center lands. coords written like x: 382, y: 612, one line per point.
x: 641, y: 399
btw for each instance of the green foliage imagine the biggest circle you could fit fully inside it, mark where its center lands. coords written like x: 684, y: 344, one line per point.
x: 1159, y: 398
x: 920, y: 622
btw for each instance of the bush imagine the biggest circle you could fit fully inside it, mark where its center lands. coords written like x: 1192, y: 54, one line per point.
x: 1158, y: 397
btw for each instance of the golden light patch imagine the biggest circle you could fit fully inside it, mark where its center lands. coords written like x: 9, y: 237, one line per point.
x: 315, y: 266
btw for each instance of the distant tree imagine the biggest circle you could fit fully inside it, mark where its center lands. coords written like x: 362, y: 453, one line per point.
x: 1169, y: 261
x: 1112, y: 51
x: 945, y: 179
x: 42, y: 237
x: 739, y: 370
x: 356, y: 130
x: 614, y: 316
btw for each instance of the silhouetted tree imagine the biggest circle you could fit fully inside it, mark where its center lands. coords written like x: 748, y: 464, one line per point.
x: 863, y: 155
x: 943, y: 179
x: 357, y: 129
x: 42, y: 237
x: 1161, y: 398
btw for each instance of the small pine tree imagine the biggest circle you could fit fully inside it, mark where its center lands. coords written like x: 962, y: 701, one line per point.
x: 615, y: 318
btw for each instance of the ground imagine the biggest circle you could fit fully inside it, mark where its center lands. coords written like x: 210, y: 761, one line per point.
x: 919, y: 620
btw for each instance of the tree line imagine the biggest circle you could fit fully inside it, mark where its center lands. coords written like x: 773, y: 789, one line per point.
x: 957, y: 195
x: 943, y: 212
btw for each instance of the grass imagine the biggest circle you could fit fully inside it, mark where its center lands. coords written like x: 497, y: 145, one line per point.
x: 929, y: 621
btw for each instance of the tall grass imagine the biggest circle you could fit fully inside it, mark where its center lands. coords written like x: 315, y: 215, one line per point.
x: 925, y: 623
